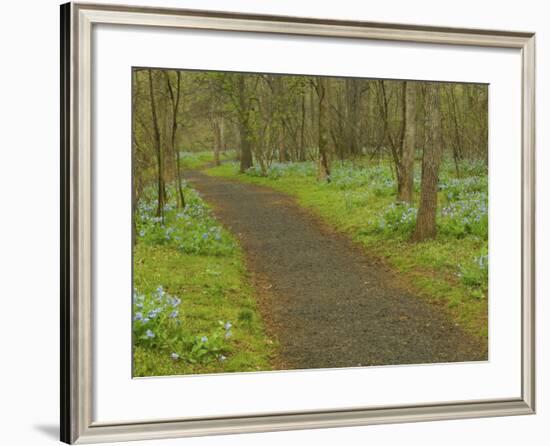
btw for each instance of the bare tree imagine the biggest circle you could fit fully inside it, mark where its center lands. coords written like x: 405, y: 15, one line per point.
x: 218, y: 127
x: 175, y: 101
x: 244, y: 131
x: 408, y: 145
x: 158, y: 150
x: 352, y: 115
x: 323, y: 172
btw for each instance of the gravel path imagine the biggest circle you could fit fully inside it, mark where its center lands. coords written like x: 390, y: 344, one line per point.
x: 328, y: 304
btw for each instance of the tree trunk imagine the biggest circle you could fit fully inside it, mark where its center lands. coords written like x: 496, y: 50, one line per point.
x: 396, y: 144
x: 323, y: 173
x: 175, y: 99
x: 222, y: 138
x: 408, y: 144
x: 246, y: 152
x: 158, y: 151
x: 218, y: 139
x: 302, y: 153
x: 457, y: 146
x: 425, y: 221
x: 352, y: 114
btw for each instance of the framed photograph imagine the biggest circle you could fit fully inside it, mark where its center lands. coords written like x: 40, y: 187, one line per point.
x: 274, y: 223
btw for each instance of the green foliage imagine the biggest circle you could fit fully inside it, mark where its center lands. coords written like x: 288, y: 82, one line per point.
x: 465, y: 217
x: 475, y: 273
x: 465, y: 211
x: 158, y: 325
x: 396, y: 219
x: 279, y: 170
x: 192, y: 229
x: 191, y: 294
x: 379, y: 178
x: 246, y: 317
x: 196, y: 160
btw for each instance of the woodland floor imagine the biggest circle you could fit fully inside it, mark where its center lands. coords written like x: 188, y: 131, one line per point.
x: 326, y: 301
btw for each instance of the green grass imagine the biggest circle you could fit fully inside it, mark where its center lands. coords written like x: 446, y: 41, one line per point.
x: 196, y: 160
x: 205, y: 318
x: 438, y: 270
x: 212, y: 289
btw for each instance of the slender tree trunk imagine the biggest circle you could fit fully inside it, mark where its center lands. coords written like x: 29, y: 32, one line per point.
x: 408, y: 144
x: 280, y: 138
x: 457, y: 146
x: 175, y: 99
x: 323, y: 173
x: 158, y: 150
x: 426, y: 218
x: 313, y: 119
x: 352, y: 112
x: 395, y: 143
x: 302, y: 153
x: 181, y: 196
x: 222, y: 138
x: 246, y: 151
x: 218, y: 139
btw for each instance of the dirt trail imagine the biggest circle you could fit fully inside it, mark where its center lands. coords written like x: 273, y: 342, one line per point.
x: 328, y: 303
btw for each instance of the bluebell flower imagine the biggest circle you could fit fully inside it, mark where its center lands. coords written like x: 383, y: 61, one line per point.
x: 149, y: 334
x: 174, y: 356
x: 204, y: 339
x: 174, y: 314
x: 228, y: 334
x: 222, y: 358
x: 142, y: 233
x: 227, y: 325
x: 138, y: 316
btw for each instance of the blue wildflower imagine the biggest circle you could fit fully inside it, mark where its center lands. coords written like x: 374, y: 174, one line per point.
x: 154, y: 313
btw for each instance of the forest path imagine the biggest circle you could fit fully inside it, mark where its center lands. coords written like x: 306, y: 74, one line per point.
x: 328, y: 304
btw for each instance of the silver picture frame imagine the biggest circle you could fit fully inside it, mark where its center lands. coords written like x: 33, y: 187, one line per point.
x: 77, y: 21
